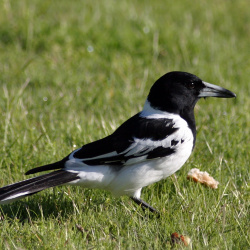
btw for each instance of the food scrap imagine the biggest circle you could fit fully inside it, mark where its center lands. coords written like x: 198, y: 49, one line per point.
x: 203, y: 177
x: 178, y: 239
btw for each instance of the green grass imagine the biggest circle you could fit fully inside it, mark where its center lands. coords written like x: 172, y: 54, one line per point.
x: 72, y: 71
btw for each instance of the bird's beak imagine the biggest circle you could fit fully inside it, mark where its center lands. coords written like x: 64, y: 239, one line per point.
x: 211, y: 90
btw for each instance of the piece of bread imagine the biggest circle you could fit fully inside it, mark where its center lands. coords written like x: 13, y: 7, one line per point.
x: 203, y: 177
x: 178, y: 239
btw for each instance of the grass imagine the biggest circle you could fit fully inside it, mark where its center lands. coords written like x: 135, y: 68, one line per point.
x: 71, y: 72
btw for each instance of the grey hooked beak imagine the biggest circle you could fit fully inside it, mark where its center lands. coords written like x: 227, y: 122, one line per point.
x: 212, y: 90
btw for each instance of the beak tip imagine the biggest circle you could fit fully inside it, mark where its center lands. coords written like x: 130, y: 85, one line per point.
x: 211, y: 90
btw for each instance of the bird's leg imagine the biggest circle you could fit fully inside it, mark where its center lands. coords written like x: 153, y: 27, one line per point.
x: 144, y: 205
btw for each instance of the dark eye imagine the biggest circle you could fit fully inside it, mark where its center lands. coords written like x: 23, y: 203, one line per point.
x: 191, y: 85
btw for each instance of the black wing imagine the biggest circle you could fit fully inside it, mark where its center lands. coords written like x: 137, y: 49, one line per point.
x: 136, y: 140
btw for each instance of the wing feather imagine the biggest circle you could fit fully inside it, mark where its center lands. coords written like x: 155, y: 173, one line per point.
x: 137, y: 140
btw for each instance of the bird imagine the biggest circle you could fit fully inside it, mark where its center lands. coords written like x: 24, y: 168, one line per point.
x: 148, y: 147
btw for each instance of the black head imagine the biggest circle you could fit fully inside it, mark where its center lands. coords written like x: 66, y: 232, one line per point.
x: 178, y: 92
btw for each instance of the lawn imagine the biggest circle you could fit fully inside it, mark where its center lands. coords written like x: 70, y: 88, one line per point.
x: 72, y: 71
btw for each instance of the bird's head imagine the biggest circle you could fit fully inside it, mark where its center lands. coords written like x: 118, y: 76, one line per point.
x: 177, y: 91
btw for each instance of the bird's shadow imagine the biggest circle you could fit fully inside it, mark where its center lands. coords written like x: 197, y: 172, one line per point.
x: 33, y: 209
x: 56, y: 205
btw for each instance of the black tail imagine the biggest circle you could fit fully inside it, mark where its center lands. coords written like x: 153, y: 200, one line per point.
x: 31, y: 186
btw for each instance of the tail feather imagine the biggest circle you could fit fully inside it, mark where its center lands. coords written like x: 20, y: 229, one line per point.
x: 52, y: 166
x: 31, y: 186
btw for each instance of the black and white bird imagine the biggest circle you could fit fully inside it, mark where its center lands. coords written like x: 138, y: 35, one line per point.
x: 148, y: 147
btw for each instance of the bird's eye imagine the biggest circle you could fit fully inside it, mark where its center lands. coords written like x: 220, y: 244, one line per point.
x: 191, y: 85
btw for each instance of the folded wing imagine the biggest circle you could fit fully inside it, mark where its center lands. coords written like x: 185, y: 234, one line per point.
x: 137, y: 140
